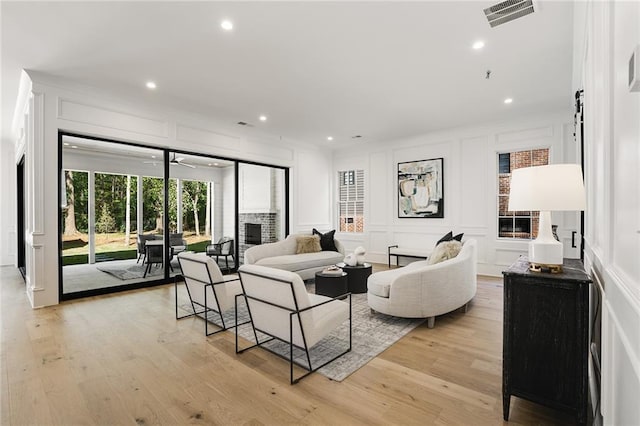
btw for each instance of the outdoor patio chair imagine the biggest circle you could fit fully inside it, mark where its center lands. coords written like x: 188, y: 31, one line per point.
x: 177, y: 243
x: 141, y: 242
x: 208, y: 290
x: 224, y: 247
x: 280, y: 307
x: 155, y: 255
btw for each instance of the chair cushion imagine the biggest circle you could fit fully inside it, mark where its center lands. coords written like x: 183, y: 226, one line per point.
x: 298, y: 262
x: 325, y: 318
x: 379, y: 284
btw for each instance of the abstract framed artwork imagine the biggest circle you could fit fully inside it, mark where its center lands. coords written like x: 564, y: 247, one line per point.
x: 421, y: 189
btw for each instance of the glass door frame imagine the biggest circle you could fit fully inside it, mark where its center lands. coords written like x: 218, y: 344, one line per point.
x: 166, y: 242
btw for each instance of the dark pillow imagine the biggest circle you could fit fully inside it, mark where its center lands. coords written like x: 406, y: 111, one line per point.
x: 326, y: 240
x: 458, y: 237
x: 447, y: 237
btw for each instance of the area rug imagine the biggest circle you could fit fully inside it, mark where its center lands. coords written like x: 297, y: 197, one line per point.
x: 372, y: 333
x: 132, y: 272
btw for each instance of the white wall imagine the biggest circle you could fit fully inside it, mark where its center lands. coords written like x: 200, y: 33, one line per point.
x: 612, y: 236
x: 255, y: 189
x: 51, y: 105
x: 8, y: 238
x: 470, y: 186
x: 311, y: 182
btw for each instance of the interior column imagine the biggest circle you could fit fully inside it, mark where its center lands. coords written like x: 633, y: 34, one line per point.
x: 92, y: 217
x: 179, y: 205
x: 139, y: 206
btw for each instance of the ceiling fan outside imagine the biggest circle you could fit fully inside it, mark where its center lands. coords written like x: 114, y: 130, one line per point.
x: 173, y: 161
x: 178, y: 161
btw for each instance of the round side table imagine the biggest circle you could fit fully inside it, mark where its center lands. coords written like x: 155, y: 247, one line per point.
x: 357, y: 276
x: 331, y: 285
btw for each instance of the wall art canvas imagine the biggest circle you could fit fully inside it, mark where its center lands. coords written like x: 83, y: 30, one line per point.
x: 421, y: 189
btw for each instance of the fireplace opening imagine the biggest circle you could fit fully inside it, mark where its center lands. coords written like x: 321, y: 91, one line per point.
x: 252, y: 233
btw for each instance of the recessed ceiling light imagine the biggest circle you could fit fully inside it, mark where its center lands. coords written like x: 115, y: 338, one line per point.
x: 508, y: 101
x: 478, y: 45
x: 151, y: 85
x: 66, y: 143
x: 215, y: 164
x: 226, y: 25
x: 74, y: 146
x: 153, y: 156
x: 209, y: 164
x: 263, y: 118
x: 329, y: 138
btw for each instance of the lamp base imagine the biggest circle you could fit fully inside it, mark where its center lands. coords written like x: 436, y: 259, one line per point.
x: 545, y: 254
x: 540, y: 267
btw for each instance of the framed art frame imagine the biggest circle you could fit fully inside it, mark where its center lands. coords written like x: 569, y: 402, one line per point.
x: 421, y: 189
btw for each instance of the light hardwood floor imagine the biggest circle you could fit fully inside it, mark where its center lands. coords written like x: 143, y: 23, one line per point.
x: 123, y: 359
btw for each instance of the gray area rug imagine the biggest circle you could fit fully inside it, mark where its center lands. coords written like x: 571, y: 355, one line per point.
x: 132, y: 272
x: 372, y: 333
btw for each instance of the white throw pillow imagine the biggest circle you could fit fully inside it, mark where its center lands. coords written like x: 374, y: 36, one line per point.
x: 445, y: 251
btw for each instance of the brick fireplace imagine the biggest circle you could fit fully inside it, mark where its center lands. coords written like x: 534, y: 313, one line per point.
x: 268, y: 230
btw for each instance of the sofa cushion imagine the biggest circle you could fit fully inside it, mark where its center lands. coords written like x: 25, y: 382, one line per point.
x: 299, y: 262
x: 379, y: 285
x: 308, y: 244
x: 444, y: 251
x: 326, y: 240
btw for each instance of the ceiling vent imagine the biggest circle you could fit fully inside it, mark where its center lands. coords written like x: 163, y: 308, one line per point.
x: 507, y: 11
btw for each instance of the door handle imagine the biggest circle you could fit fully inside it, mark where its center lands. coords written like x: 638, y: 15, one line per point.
x: 573, y: 239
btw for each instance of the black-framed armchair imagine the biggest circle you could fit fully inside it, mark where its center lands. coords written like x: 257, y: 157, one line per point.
x: 209, y: 292
x: 225, y: 248
x: 280, y: 307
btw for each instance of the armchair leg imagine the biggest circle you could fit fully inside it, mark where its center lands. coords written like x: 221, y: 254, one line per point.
x: 466, y: 307
x: 431, y: 322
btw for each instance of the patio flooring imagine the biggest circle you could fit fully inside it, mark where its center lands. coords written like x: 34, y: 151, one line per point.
x: 88, y: 277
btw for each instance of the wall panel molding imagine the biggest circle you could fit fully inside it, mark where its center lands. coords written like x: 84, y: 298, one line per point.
x: 85, y: 113
x: 37, y: 153
x: 530, y: 134
x: 207, y: 137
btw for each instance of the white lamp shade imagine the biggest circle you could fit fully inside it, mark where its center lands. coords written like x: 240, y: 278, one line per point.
x: 549, y: 188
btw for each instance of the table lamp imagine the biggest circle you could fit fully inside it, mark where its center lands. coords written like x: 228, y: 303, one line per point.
x: 556, y: 187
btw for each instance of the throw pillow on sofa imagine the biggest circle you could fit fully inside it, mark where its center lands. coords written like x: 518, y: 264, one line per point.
x: 308, y: 244
x: 447, y: 237
x: 445, y: 251
x: 326, y: 240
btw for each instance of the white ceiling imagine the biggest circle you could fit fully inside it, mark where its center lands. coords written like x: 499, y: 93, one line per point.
x: 383, y: 70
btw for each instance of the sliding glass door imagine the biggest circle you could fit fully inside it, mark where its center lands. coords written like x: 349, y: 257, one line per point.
x: 261, y: 205
x: 202, y: 204
x: 127, y: 211
x: 112, y: 203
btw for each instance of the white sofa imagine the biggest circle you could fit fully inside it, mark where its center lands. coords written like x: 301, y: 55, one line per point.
x: 282, y: 255
x: 420, y: 290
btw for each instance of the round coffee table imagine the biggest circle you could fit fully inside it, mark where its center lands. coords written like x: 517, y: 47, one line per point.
x: 331, y: 285
x: 357, y: 276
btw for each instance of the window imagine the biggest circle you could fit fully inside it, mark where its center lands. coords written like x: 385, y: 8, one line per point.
x: 521, y: 224
x: 351, y: 200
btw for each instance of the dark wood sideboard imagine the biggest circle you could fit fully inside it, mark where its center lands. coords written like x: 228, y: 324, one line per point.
x: 545, y: 337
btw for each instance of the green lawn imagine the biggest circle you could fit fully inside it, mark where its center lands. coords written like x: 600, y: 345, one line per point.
x: 112, y: 247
